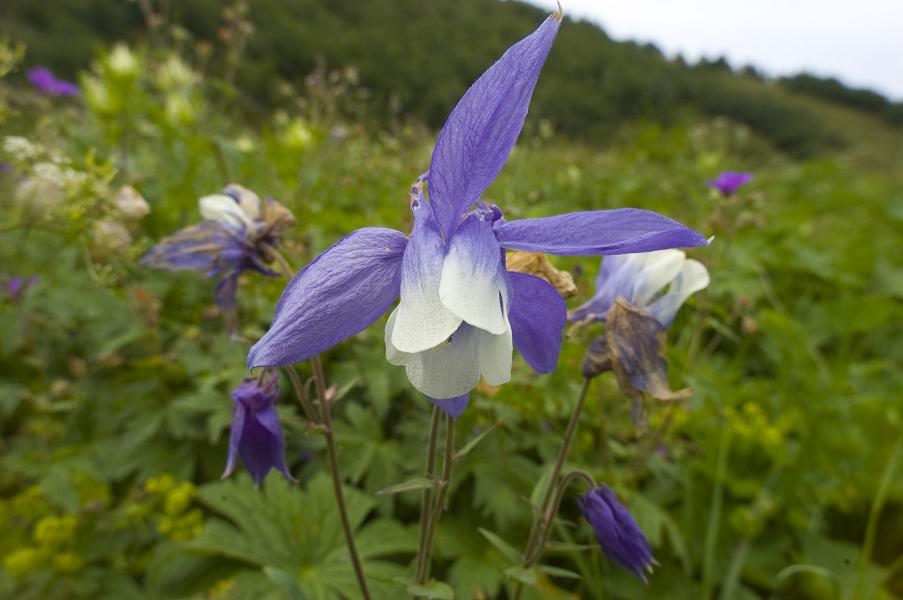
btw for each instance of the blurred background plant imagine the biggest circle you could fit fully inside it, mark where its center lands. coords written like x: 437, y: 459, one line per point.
x: 778, y: 478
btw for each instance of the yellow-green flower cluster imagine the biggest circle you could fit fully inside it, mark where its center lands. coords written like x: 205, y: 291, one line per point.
x: 53, y: 543
x: 753, y: 431
x: 177, y: 520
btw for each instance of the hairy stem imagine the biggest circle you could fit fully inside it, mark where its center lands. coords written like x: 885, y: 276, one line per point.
x: 427, y: 498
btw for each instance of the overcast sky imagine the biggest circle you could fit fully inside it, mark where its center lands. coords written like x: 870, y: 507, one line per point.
x: 858, y: 41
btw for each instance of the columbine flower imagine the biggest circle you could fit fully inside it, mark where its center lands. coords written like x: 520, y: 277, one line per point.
x: 235, y: 236
x: 47, y: 83
x: 616, y: 530
x: 640, y: 279
x: 461, y: 310
x: 729, y: 182
x: 629, y: 297
x: 256, y: 433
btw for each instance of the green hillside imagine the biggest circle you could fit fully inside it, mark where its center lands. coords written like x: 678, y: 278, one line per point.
x: 413, y: 57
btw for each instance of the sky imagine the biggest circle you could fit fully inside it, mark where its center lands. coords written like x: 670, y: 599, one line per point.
x: 858, y: 41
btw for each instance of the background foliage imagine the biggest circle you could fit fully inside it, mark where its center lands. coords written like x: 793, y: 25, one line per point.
x: 779, y: 478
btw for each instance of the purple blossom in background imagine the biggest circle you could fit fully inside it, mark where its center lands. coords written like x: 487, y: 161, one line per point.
x: 234, y: 237
x: 461, y: 311
x: 256, y: 433
x: 641, y: 279
x: 729, y: 182
x: 47, y: 83
x: 616, y: 530
x: 17, y: 286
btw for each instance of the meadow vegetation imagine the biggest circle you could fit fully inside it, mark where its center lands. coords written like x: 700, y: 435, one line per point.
x: 780, y: 477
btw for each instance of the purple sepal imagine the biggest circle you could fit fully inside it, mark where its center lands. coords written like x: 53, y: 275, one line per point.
x: 597, y: 232
x: 538, y: 315
x: 210, y: 247
x: 482, y: 128
x: 453, y: 407
x: 617, y: 531
x: 339, y: 294
x: 256, y: 434
x: 729, y: 182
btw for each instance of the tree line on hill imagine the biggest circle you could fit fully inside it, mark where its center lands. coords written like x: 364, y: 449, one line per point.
x: 416, y: 58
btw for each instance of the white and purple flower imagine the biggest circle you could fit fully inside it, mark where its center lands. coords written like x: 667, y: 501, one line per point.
x: 235, y: 236
x: 461, y: 311
x: 640, y: 280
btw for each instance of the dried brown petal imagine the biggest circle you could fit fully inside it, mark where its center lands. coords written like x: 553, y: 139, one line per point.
x: 536, y: 264
x: 638, y: 344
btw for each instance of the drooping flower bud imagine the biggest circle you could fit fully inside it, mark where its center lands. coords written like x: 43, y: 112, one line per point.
x: 616, y: 530
x: 256, y: 433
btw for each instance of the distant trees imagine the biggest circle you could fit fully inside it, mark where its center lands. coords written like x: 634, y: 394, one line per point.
x: 829, y: 88
x: 418, y: 57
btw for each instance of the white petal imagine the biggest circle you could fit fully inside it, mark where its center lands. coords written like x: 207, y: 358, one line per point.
x: 423, y: 322
x: 224, y: 209
x: 450, y: 369
x: 693, y: 277
x: 248, y: 201
x: 495, y: 357
x: 472, y: 284
x: 653, y: 271
x: 393, y: 355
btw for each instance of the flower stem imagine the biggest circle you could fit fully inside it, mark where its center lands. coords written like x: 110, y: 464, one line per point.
x: 426, y: 500
x: 543, y: 518
x: 331, y: 450
x: 332, y: 453
x: 301, y: 394
x: 442, y: 497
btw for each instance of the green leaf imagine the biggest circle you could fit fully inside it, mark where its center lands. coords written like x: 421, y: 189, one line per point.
x: 558, y: 572
x: 504, y: 547
x: 432, y: 589
x: 286, y: 583
x: 564, y: 547
x: 523, y: 575
x: 465, y: 450
x: 417, y: 483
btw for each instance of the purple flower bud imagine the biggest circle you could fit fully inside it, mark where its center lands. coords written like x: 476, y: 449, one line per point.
x: 729, y: 182
x: 256, y: 433
x: 47, y: 83
x: 616, y: 530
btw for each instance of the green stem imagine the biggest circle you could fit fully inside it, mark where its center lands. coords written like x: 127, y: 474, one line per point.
x: 332, y: 453
x: 442, y: 497
x: 544, y: 515
x: 426, y: 500
x: 566, y: 480
x: 711, y: 534
x: 871, y: 529
x: 301, y: 394
x: 331, y: 450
